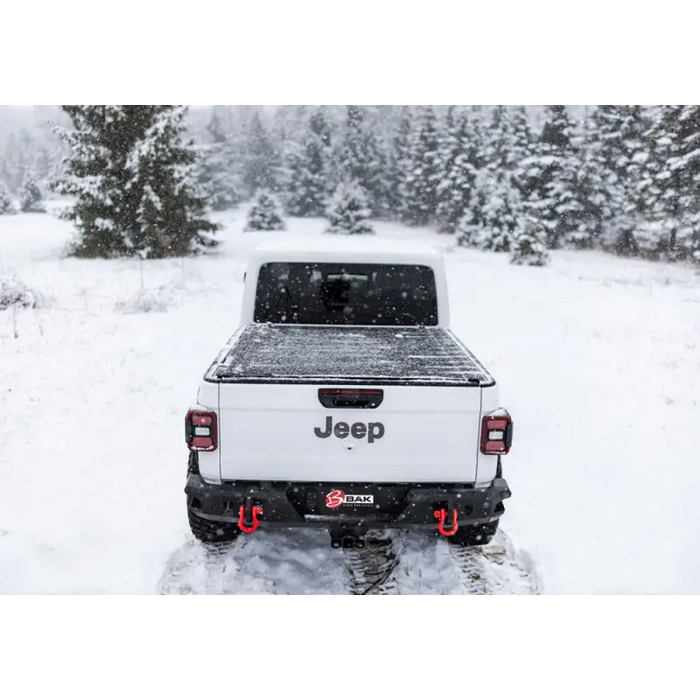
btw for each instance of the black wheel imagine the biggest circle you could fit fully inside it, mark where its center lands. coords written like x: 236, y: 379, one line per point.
x: 210, y: 531
x: 473, y: 535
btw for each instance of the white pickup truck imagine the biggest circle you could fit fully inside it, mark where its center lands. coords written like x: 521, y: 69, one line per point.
x: 345, y: 401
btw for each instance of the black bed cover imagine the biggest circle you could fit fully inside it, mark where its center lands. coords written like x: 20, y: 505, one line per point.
x: 294, y: 354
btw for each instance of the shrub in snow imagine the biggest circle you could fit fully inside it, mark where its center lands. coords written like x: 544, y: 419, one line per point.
x: 265, y: 214
x: 14, y: 293
x: 349, y: 211
x: 530, y: 244
x: 5, y: 201
x: 30, y: 198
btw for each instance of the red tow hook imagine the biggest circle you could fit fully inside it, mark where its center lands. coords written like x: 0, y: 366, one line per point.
x: 441, y: 515
x: 255, y: 511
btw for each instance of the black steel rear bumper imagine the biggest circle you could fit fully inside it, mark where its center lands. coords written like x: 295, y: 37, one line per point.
x: 306, y: 504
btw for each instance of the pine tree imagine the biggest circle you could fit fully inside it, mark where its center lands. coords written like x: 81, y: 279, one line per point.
x: 399, y: 163
x: 448, y: 152
x: 41, y: 168
x: 460, y: 163
x: 262, y: 158
x: 5, y: 200
x: 288, y: 131
x: 336, y: 116
x: 496, y: 205
x: 621, y: 151
x: 11, y: 164
x: 493, y: 224
x: 638, y: 206
x: 506, y: 144
x: 265, y: 214
x: 361, y: 159
x: 661, y: 185
x: 424, y: 173
x: 58, y: 166
x: 522, y: 145
x: 130, y: 172
x: 551, y: 177
x: 31, y: 198
x: 17, y: 163
x: 28, y: 155
x: 217, y: 173
x: 382, y: 207
x: 307, y: 192
x: 682, y: 191
x: 349, y: 211
x: 592, y: 183
x: 522, y: 133
x: 430, y: 162
x: 529, y: 247
x: 499, y: 141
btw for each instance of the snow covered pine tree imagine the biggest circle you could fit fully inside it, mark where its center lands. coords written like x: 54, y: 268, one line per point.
x: 131, y: 173
x: 460, y: 161
x: 361, y: 160
x: 5, y: 201
x: 217, y: 174
x: 492, y: 222
x: 307, y: 191
x: 31, y: 199
x: 349, y: 211
x: 261, y: 160
x: 530, y: 246
x: 551, y: 177
x: 420, y: 186
x: 265, y: 214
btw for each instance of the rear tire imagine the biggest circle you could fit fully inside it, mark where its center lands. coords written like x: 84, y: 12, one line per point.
x: 473, y: 535
x: 210, y: 531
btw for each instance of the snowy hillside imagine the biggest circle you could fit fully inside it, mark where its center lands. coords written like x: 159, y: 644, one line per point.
x: 597, y: 358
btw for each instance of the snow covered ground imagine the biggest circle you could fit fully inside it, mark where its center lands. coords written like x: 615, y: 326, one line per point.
x: 598, y: 359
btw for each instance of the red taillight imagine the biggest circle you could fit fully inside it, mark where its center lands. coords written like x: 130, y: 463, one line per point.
x: 496, y: 434
x: 200, y: 431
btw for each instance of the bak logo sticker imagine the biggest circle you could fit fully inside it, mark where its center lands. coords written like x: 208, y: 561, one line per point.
x: 338, y: 498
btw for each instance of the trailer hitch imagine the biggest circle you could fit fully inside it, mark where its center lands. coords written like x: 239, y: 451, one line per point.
x: 441, y: 515
x: 347, y: 542
x: 255, y: 511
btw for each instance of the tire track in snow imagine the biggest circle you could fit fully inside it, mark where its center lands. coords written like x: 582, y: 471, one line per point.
x: 371, y: 568
x: 303, y: 562
x: 495, y: 568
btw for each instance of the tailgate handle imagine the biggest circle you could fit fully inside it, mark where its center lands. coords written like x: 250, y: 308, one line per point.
x: 350, y: 398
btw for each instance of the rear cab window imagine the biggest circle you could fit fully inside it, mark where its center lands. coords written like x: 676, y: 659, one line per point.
x: 346, y: 293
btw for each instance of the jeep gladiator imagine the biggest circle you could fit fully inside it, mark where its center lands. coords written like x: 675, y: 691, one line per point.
x: 345, y: 401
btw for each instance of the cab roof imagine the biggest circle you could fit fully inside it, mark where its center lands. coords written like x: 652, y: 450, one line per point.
x: 330, y: 248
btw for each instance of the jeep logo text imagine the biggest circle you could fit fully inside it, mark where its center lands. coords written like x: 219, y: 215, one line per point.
x: 360, y: 431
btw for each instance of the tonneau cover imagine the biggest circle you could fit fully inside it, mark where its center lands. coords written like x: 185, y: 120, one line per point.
x: 286, y: 353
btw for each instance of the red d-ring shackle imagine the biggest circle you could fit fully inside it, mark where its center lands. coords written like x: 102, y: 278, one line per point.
x: 257, y: 511
x: 441, y: 515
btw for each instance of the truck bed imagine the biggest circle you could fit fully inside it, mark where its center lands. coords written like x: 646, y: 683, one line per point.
x: 289, y: 354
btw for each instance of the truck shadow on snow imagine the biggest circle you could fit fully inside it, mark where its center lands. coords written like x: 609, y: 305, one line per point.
x: 293, y: 562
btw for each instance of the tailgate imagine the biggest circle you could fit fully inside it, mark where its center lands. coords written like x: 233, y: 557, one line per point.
x: 284, y: 432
